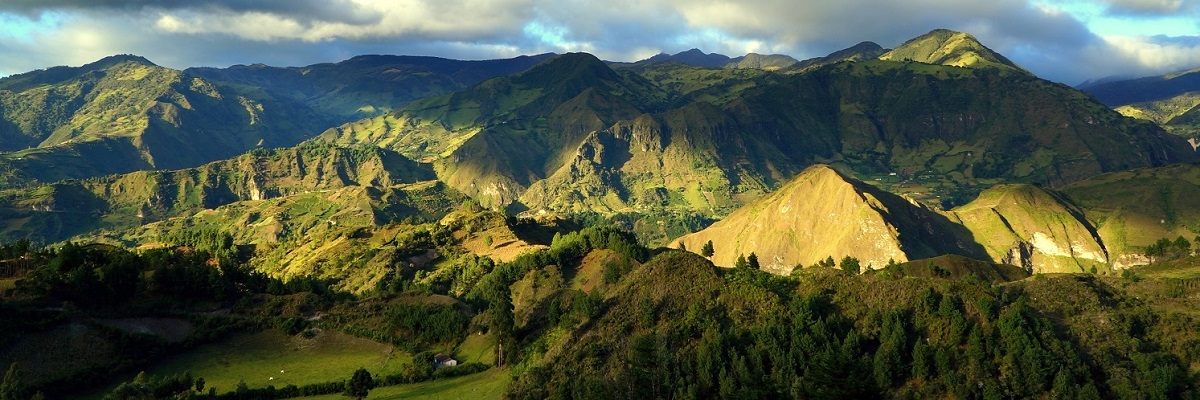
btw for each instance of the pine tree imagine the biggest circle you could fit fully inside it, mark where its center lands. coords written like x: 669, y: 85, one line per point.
x: 850, y: 266
x: 707, y: 249
x: 741, y: 262
x: 752, y: 261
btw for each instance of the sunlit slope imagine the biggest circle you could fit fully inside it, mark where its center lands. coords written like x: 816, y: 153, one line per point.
x: 821, y: 214
x: 124, y: 113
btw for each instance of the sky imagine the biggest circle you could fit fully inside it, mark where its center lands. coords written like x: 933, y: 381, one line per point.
x: 1068, y: 41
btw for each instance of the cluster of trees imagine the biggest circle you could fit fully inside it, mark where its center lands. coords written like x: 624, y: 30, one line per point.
x: 807, y: 344
x: 493, y: 294
x: 100, y: 275
x: 1166, y: 249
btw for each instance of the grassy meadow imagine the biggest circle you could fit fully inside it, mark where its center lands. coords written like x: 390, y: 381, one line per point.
x: 273, y: 358
x: 482, y: 386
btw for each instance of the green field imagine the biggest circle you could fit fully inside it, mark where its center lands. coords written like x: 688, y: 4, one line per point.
x: 477, y: 348
x: 484, y: 385
x: 273, y: 358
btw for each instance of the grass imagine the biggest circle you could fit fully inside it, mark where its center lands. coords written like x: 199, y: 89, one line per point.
x: 484, y: 385
x: 477, y: 348
x: 258, y: 359
x: 6, y: 284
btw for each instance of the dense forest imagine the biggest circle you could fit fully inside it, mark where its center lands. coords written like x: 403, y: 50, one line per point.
x: 650, y: 324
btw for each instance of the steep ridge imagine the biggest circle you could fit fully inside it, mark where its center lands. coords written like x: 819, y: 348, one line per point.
x: 124, y: 113
x: 60, y: 210
x: 1032, y: 228
x: 946, y: 47
x: 822, y: 213
x: 1147, y: 89
x: 368, y: 85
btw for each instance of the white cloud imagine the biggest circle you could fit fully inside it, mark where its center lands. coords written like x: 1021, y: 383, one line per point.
x: 1157, y: 54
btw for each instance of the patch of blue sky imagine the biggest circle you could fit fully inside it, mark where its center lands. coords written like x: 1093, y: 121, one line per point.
x: 550, y: 35
x: 1099, y: 20
x: 24, y: 29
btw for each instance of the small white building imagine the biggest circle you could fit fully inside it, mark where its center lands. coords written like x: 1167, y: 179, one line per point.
x: 441, y: 360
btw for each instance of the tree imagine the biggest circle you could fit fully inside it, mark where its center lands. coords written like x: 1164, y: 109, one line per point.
x: 10, y: 387
x: 850, y: 265
x: 1184, y: 246
x: 360, y: 383
x: 707, y: 250
x: 752, y: 261
x: 741, y: 262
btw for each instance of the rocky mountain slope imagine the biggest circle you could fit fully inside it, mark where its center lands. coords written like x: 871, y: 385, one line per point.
x: 822, y: 213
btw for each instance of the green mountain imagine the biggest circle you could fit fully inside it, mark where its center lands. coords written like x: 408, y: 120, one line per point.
x: 574, y: 135
x: 1172, y: 100
x: 368, y: 85
x: 945, y: 47
x: 1147, y: 89
x: 493, y: 140
x: 766, y: 62
x: 58, y: 211
x: 693, y: 57
x: 124, y: 113
x: 859, y: 52
x: 822, y: 213
x: 822, y: 334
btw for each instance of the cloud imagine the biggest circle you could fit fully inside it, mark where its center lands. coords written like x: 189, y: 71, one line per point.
x: 347, y: 11
x: 1037, y: 34
x: 1149, y: 7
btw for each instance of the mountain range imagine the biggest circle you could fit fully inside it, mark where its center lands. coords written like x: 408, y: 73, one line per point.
x: 922, y: 134
x: 928, y: 221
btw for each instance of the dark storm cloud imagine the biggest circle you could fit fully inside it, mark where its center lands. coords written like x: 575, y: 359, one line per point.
x: 181, y: 33
x: 308, y: 10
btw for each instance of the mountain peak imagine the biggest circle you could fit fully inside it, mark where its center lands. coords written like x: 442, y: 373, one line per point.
x: 113, y: 60
x: 947, y: 47
x: 768, y: 62
x: 694, y: 57
x: 567, y: 67
x: 804, y: 221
